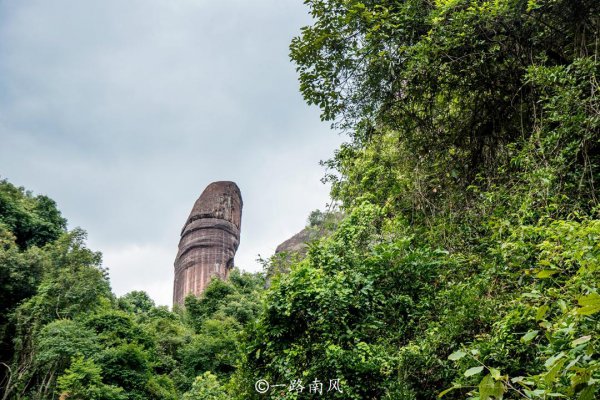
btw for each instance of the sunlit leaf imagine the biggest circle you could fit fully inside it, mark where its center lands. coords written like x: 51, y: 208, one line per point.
x: 581, y: 340
x: 457, y: 355
x: 473, y: 371
x: 529, y: 336
x: 547, y: 273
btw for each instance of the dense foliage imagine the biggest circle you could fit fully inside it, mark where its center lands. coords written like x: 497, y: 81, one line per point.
x: 64, y: 334
x: 469, y: 261
x: 466, y: 264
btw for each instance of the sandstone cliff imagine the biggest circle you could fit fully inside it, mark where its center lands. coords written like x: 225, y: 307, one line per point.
x: 294, y: 249
x: 209, y: 239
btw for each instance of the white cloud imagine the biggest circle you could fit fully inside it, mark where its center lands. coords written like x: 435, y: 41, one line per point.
x: 130, y: 268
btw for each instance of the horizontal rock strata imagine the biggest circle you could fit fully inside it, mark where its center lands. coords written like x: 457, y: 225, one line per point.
x: 209, y: 239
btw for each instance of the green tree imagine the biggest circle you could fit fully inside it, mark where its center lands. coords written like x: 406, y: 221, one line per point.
x: 137, y: 302
x: 127, y: 366
x: 73, y: 284
x: 206, y: 387
x: 83, y: 381
x: 34, y: 221
x: 448, y: 84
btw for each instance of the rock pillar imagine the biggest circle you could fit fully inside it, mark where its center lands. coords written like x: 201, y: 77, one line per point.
x: 209, y: 239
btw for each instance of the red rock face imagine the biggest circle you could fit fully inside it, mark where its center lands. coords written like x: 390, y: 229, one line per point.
x: 209, y: 239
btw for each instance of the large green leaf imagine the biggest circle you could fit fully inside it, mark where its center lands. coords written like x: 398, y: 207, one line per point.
x: 490, y: 389
x: 473, y: 371
x: 590, y: 304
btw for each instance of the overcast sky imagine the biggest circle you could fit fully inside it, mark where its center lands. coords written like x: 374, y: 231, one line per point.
x: 124, y: 110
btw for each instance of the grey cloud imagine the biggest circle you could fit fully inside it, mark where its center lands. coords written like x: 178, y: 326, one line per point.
x: 123, y: 111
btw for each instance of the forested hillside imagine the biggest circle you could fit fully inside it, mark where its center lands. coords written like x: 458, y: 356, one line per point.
x: 466, y: 265
x: 469, y: 261
x: 65, y: 335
